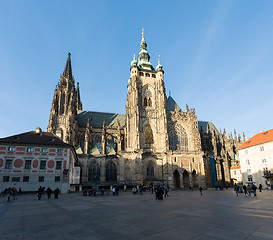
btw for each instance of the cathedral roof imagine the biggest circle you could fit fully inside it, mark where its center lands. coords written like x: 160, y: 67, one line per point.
x: 172, y: 105
x: 97, y: 118
x: 204, y: 125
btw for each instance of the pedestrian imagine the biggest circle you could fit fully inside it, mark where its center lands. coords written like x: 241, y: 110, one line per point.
x: 236, y: 189
x: 201, y: 190
x: 245, y: 191
x: 95, y: 192
x: 254, y: 188
x: 114, y: 191
x: 48, y: 192
x: 102, y: 192
x: 56, y: 193
x: 39, y: 193
x: 117, y: 190
x: 20, y: 191
x: 166, y: 192
x: 249, y: 189
x: 260, y: 187
x: 9, y: 194
x: 15, y: 192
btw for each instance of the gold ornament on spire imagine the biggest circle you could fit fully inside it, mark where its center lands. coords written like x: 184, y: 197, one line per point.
x: 143, y: 32
x: 158, y: 59
x: 134, y: 56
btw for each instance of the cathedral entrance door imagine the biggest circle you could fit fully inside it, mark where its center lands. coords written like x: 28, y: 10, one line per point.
x: 176, y: 179
x: 186, y: 179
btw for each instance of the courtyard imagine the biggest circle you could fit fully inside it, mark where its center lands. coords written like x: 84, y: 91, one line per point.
x: 183, y: 215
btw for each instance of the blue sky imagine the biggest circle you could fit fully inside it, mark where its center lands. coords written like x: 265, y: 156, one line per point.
x: 217, y: 57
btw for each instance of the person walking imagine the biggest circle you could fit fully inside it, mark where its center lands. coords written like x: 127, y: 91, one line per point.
x: 201, y: 190
x: 260, y: 187
x: 166, y: 192
x: 114, y: 191
x: 56, y: 193
x: 245, y: 191
x: 48, y: 192
x: 254, y: 188
x: 39, y: 193
x: 236, y: 189
x: 117, y: 190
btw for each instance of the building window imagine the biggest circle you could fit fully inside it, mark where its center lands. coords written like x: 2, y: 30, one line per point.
x: 8, y: 164
x: 141, y: 74
x: 145, y: 102
x: 5, y: 178
x: 234, y: 172
x: 43, y: 164
x: 174, y: 159
x: 246, y: 151
x: 178, y: 139
x: 153, y: 75
x: 41, y: 179
x: 248, y: 170
x: 59, y: 165
x: 44, y: 150
x: 193, y: 160
x: 262, y: 148
x: 150, y: 170
x: 263, y: 160
x: 247, y: 162
x: 15, y: 179
x: 28, y: 164
x: 11, y: 149
x: 94, y: 171
x: 147, y: 75
x: 25, y: 178
x: 249, y: 178
x: 29, y: 149
x: 60, y: 150
x: 265, y: 170
x: 57, y: 179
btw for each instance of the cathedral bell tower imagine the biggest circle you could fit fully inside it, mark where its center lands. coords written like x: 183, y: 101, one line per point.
x: 146, y: 118
x: 66, y: 102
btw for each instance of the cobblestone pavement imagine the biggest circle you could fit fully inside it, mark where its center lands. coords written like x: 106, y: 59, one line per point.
x: 184, y: 215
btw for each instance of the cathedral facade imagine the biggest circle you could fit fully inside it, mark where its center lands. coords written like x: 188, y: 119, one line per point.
x: 155, y: 142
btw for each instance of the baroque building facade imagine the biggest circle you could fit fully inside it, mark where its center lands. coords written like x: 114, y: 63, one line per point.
x: 155, y: 142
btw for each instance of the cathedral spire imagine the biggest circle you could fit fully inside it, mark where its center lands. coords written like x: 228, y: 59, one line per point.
x: 143, y: 58
x: 68, y: 69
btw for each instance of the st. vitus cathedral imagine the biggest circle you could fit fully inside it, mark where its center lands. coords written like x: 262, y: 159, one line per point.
x: 155, y: 142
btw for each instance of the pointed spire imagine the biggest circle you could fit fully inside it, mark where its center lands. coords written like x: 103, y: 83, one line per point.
x: 134, y: 62
x: 159, y: 66
x: 244, y: 137
x: 187, y: 108
x: 68, y: 69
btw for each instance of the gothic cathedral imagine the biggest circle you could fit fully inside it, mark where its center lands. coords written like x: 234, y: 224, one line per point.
x: 155, y: 142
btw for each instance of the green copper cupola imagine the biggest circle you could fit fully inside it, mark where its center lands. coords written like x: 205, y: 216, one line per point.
x: 143, y: 58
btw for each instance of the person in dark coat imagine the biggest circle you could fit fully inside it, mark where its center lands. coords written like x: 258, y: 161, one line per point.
x: 201, y: 190
x: 245, y: 191
x: 48, y: 192
x: 260, y: 187
x: 56, y: 193
x: 40, y: 192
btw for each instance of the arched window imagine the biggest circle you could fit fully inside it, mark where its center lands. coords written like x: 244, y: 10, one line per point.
x: 147, y: 75
x: 145, y: 102
x: 148, y: 134
x: 97, y: 142
x: 178, y: 139
x: 141, y: 74
x: 150, y: 170
x: 94, y: 172
x: 149, y: 102
x: 62, y: 103
x: 111, y: 171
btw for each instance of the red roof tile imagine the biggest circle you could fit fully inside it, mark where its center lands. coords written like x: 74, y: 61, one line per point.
x: 235, y: 167
x: 43, y: 138
x: 262, y: 137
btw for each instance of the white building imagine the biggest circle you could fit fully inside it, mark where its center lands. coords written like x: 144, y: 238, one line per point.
x: 236, y: 174
x: 34, y: 159
x: 256, y: 159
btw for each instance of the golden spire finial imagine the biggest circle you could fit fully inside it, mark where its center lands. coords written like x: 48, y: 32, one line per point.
x: 158, y: 59
x: 142, y: 32
x: 134, y: 56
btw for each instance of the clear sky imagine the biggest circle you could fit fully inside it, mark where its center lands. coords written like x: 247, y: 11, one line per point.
x: 217, y: 57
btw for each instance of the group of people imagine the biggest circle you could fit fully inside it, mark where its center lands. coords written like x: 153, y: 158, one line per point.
x: 49, y: 192
x: 92, y: 192
x: 11, y: 193
x: 250, y: 188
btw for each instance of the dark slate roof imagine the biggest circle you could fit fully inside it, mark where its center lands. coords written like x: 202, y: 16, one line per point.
x: 97, y: 118
x: 204, y: 126
x: 172, y: 105
x: 43, y: 138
